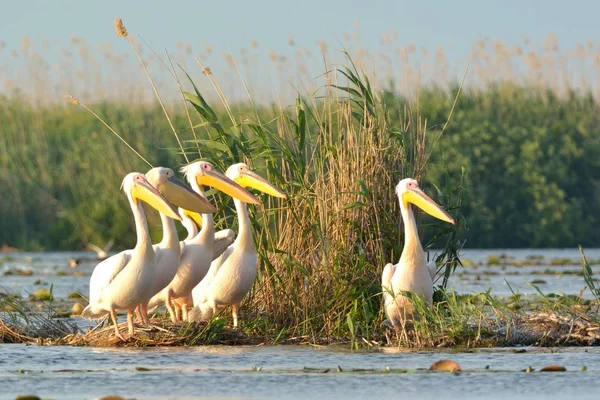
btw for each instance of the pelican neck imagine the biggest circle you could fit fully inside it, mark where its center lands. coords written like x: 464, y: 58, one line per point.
x: 244, y: 238
x: 141, y: 226
x: 170, y: 238
x: 411, y: 235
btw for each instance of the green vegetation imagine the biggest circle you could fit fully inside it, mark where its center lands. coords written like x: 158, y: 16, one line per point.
x: 528, y: 159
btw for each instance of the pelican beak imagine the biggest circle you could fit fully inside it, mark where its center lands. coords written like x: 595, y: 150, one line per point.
x: 222, y: 183
x: 183, y: 196
x: 253, y: 180
x: 145, y: 192
x: 197, y: 218
x: 424, y: 202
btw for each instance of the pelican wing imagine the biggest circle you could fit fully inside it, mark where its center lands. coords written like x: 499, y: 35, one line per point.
x: 217, y: 264
x: 223, y: 239
x: 121, y: 261
x: 105, y: 273
x: 386, y: 277
x: 199, y: 291
x: 432, y: 267
x: 109, y: 245
x: 386, y: 288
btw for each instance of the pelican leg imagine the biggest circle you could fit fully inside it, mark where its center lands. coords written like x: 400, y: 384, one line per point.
x: 144, y: 310
x: 177, y: 312
x: 184, y: 311
x: 234, y: 312
x: 130, y: 327
x: 138, y: 314
x: 113, y: 316
x: 170, y: 309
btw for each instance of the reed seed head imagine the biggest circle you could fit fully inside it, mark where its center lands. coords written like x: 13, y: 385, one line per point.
x: 73, y: 100
x: 120, y: 28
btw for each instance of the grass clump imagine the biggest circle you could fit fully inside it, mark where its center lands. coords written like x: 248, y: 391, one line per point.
x: 19, y: 323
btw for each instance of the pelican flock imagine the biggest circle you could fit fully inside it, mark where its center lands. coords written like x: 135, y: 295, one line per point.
x: 209, y: 270
x: 198, y: 252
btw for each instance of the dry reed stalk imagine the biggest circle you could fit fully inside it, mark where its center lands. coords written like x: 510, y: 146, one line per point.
x: 76, y: 102
x: 121, y: 29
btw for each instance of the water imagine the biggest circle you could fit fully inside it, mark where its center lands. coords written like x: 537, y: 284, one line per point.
x: 52, y: 268
x: 227, y: 372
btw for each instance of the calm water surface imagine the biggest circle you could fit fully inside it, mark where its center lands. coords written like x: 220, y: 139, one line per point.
x: 227, y: 372
x: 52, y: 268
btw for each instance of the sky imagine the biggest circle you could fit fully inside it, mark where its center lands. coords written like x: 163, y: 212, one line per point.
x: 230, y: 25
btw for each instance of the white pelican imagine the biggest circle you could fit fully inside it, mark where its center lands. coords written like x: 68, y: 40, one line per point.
x: 168, y: 250
x: 411, y: 274
x: 101, y: 253
x: 198, y: 252
x: 132, y: 272
x: 231, y: 276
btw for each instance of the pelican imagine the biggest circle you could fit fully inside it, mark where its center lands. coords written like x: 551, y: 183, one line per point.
x: 101, y: 253
x: 411, y: 274
x: 168, y: 250
x: 198, y: 252
x: 231, y: 276
x: 131, y: 272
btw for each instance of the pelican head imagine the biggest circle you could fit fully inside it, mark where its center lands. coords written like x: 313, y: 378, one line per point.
x: 408, y: 192
x: 242, y: 174
x: 137, y: 187
x: 177, y: 192
x: 205, y: 174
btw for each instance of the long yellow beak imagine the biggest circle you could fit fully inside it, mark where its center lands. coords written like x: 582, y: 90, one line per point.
x: 253, y: 180
x: 224, y: 184
x: 145, y: 192
x: 183, y: 196
x: 424, y: 202
x: 197, y: 218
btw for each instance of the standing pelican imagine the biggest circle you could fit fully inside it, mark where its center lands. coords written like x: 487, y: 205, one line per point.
x: 132, y: 272
x: 411, y: 274
x: 168, y: 250
x: 198, y: 252
x: 231, y: 276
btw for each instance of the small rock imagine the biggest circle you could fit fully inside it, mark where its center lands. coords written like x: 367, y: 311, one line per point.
x: 445, y: 365
x: 42, y: 294
x: 111, y: 397
x: 553, y: 368
x: 538, y: 282
x: 76, y: 309
x: 28, y: 397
